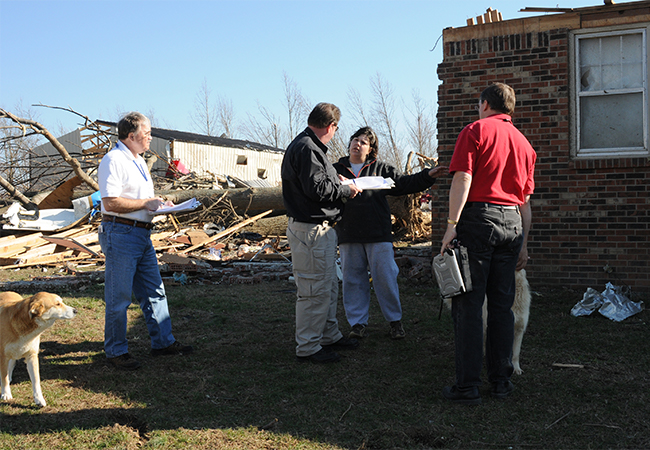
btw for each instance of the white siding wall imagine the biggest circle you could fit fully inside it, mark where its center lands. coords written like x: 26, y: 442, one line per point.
x: 202, y: 158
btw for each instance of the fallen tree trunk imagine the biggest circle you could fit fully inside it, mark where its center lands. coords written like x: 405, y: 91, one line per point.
x: 251, y: 201
x: 245, y: 201
x: 260, y: 199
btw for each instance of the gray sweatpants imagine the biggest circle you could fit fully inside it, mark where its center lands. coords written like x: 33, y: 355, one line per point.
x: 355, y: 261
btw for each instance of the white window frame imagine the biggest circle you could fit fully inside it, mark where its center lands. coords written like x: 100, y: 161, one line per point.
x: 614, y: 152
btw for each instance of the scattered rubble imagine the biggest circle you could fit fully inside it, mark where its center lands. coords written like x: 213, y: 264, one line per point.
x: 206, y: 246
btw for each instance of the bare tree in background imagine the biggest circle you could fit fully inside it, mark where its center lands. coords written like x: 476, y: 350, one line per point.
x: 297, y: 106
x: 268, y: 128
x: 204, y: 116
x: 16, y: 145
x: 266, y: 131
x: 357, y: 108
x: 383, y: 110
x: 226, y: 115
x: 421, y: 127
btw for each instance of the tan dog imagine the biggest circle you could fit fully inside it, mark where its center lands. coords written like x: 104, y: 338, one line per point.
x: 521, y: 311
x: 21, y: 323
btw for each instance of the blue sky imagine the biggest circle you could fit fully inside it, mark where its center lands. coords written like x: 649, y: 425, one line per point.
x: 101, y: 58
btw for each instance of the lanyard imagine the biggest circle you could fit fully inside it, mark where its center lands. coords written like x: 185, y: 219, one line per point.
x: 142, y: 172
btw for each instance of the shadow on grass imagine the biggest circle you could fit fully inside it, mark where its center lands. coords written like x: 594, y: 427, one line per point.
x: 386, y: 394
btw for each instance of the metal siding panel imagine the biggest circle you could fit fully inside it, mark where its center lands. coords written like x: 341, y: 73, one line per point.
x: 202, y: 158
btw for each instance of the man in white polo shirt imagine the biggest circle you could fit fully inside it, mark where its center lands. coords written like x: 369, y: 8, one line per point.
x: 124, y: 235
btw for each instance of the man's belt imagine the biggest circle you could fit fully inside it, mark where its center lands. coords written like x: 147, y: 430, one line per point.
x: 122, y: 220
x: 329, y: 223
x: 491, y: 205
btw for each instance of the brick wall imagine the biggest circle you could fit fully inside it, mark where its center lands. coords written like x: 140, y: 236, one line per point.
x: 586, y: 213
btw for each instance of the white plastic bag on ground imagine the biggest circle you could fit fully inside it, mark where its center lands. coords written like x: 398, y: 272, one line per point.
x: 611, y: 303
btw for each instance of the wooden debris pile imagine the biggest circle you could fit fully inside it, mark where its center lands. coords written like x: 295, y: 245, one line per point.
x: 212, y: 256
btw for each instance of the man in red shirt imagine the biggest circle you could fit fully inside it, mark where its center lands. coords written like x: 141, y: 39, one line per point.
x: 489, y: 213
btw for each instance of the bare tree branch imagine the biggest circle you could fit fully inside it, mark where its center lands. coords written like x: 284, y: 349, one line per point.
x: 204, y: 116
x: 384, y: 110
x: 421, y: 127
x: 297, y: 106
x: 226, y: 115
x: 14, y: 192
x: 40, y: 129
x: 358, y: 111
x: 268, y: 131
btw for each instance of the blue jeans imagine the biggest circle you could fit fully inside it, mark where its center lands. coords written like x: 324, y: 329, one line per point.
x: 356, y: 258
x: 132, y: 268
x: 493, y: 237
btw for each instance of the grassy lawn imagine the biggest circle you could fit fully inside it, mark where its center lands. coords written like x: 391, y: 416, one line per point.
x: 243, y: 389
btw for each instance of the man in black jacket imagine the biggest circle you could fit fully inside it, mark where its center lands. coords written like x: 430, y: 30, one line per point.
x: 313, y: 197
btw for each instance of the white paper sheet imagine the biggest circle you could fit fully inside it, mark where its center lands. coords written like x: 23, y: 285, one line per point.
x: 188, y: 205
x: 371, y: 182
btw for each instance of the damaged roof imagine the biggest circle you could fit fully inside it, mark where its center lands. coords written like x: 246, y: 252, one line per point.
x: 184, y: 136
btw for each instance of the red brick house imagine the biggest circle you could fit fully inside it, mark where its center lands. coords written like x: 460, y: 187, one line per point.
x: 581, y: 78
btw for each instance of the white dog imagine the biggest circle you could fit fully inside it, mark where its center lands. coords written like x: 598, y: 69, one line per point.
x: 521, y: 311
x: 21, y: 323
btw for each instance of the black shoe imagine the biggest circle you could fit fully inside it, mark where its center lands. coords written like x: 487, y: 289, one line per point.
x: 502, y: 389
x: 469, y: 396
x: 175, y: 349
x: 322, y: 356
x: 358, y: 331
x: 343, y: 344
x: 397, y: 330
x: 124, y: 362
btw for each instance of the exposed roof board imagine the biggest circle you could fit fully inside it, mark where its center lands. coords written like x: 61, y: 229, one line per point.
x: 554, y: 18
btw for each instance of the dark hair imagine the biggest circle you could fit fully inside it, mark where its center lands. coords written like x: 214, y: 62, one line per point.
x: 372, y: 140
x: 500, y: 97
x: 130, y: 123
x: 323, y: 115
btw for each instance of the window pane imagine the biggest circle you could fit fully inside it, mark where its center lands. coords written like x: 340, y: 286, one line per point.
x: 611, y: 62
x: 611, y: 76
x: 610, y: 49
x: 612, y: 121
x: 590, y: 64
x: 590, y: 52
x: 632, y: 61
x: 590, y: 78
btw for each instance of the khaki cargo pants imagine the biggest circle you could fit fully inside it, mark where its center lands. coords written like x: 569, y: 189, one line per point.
x: 313, y: 252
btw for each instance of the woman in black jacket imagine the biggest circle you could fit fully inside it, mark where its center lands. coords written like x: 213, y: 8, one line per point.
x: 365, y: 237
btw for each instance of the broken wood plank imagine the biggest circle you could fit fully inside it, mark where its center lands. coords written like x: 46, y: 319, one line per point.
x: 22, y: 244
x: 5, y: 239
x: 568, y: 366
x: 61, y: 197
x: 72, y: 244
x: 197, y: 237
x: 229, y: 231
